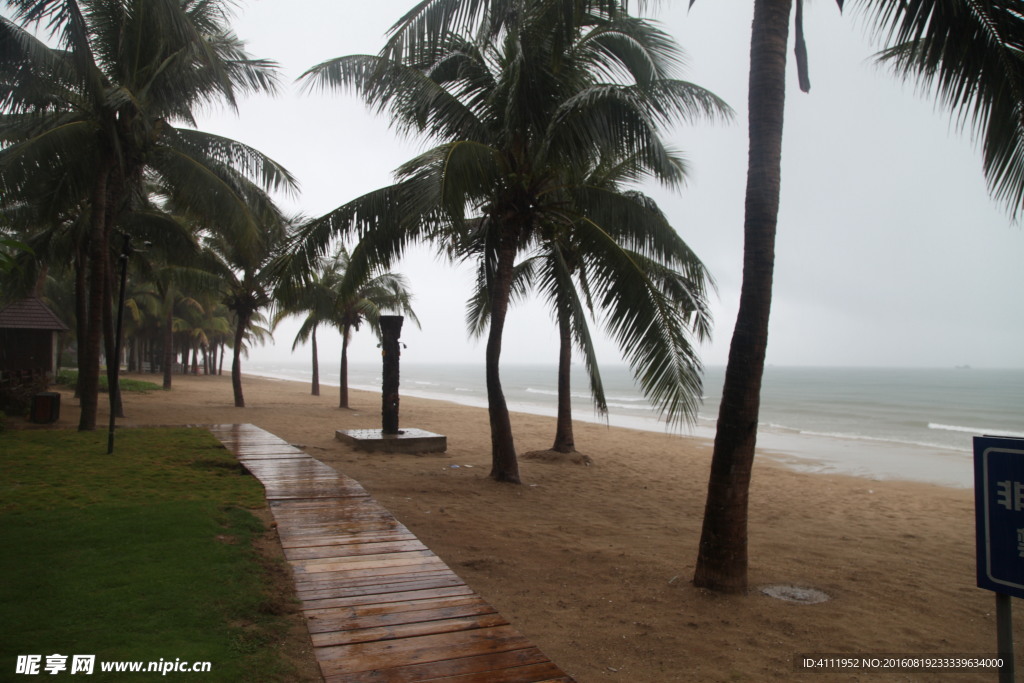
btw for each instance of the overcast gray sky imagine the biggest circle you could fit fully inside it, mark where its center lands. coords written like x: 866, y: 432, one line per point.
x: 890, y: 252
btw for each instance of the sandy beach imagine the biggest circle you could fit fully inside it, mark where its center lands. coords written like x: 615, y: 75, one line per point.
x: 593, y: 563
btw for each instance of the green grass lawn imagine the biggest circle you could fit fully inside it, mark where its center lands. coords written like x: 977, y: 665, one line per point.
x: 69, y: 378
x: 142, y: 555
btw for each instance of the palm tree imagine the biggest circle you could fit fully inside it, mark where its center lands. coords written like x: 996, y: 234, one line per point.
x: 969, y: 52
x: 663, y: 289
x: 317, y: 299
x: 324, y: 301
x: 380, y: 293
x: 247, y: 271
x: 516, y: 106
x: 94, y: 114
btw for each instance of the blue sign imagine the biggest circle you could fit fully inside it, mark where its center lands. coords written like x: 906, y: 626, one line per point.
x: 999, y: 513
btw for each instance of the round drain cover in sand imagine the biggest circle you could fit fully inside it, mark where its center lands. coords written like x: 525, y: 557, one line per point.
x: 804, y: 596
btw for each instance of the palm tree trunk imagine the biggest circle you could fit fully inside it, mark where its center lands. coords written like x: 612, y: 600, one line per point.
x: 504, y: 465
x: 89, y: 356
x: 316, y: 367
x: 343, y: 379
x: 722, y: 559
x: 564, y: 441
x: 236, y: 363
x: 168, y: 346
x: 81, y: 309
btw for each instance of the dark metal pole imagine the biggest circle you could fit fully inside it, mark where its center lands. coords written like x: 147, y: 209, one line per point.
x: 390, y: 329
x: 115, y: 389
x: 1004, y: 635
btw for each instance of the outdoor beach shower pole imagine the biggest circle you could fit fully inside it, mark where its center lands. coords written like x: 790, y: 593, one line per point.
x: 390, y: 329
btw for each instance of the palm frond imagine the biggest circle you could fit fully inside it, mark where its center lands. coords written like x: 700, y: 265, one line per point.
x: 415, y: 102
x: 970, y: 54
x: 478, y: 306
x: 650, y: 311
x: 557, y: 282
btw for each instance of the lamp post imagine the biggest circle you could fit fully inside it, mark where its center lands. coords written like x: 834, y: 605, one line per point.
x: 115, y: 389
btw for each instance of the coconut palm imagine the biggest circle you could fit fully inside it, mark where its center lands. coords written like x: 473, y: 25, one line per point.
x: 969, y: 52
x: 95, y: 113
x: 517, y: 107
x: 324, y: 302
x: 316, y: 298
x: 246, y: 269
x: 380, y: 293
x: 573, y: 271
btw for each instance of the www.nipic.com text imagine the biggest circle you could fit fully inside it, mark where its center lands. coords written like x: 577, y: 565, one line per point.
x: 30, y: 665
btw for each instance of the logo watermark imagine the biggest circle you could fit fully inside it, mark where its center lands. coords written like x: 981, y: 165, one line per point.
x: 32, y: 665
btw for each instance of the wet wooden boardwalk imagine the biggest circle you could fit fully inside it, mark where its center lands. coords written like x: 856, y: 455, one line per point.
x: 379, y: 604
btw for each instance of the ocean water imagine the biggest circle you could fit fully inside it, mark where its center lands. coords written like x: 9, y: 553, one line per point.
x: 914, y: 424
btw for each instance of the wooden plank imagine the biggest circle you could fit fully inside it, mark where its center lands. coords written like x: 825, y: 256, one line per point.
x: 300, y: 537
x: 314, y: 510
x: 247, y: 458
x: 298, y: 507
x: 393, y: 559
x: 343, y: 581
x: 342, y: 510
x: 376, y: 608
x: 288, y: 468
x: 363, y: 525
x: 545, y: 672
x: 352, y: 549
x: 334, y: 586
x: 247, y: 450
x: 350, y: 539
x: 353, y: 619
x: 382, y: 654
x: 379, y: 591
x: 401, y: 597
x: 328, y: 512
x: 350, y: 636
x: 430, y: 671
x: 303, y: 492
x: 382, y: 572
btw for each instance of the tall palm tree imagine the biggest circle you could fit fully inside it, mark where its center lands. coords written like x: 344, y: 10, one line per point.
x: 969, y: 53
x: 517, y: 106
x: 95, y: 113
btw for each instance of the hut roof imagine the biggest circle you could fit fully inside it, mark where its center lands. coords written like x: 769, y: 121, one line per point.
x: 30, y: 314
